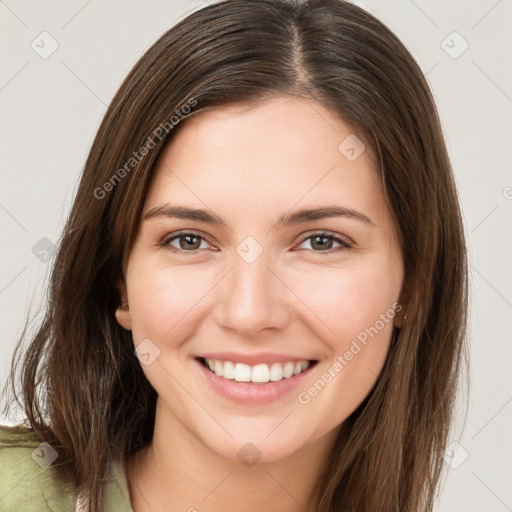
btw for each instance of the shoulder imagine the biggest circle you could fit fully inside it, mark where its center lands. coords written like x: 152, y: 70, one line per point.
x: 27, y: 481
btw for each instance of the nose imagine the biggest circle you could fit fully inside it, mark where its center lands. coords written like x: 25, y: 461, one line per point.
x: 252, y: 298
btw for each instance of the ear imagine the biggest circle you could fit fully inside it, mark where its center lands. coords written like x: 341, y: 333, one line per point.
x: 123, y: 315
x: 400, y: 314
x: 399, y: 319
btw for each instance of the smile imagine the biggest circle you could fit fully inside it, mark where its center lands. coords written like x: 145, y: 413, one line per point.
x: 260, y: 373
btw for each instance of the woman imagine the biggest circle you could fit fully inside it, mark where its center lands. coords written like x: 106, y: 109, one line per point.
x: 259, y: 299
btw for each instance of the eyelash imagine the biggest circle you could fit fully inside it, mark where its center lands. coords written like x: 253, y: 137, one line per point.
x: 345, y: 244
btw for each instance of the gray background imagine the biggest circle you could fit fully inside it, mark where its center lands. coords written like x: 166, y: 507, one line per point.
x: 51, y: 108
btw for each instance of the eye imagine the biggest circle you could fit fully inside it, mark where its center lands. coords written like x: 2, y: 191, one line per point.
x: 324, y: 242
x: 187, y: 241
x: 190, y: 242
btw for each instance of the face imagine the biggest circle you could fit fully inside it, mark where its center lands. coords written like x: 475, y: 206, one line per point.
x: 294, y: 313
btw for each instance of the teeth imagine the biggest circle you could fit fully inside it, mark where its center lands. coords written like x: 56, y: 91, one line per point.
x: 276, y: 372
x: 259, y: 373
x: 242, y: 372
x: 229, y: 371
x: 288, y: 370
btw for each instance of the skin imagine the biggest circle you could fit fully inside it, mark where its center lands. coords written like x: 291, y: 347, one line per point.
x: 249, y: 166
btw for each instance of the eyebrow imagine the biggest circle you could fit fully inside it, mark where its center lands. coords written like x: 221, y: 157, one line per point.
x: 291, y: 219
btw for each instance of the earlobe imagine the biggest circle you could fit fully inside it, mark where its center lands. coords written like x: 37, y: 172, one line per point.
x: 123, y: 315
x: 400, y: 307
x: 400, y: 318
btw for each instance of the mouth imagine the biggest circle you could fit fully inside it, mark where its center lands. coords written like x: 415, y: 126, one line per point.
x: 259, y: 374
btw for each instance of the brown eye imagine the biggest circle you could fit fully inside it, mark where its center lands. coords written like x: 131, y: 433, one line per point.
x: 185, y: 242
x: 323, y: 242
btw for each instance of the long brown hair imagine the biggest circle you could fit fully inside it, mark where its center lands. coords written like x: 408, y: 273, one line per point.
x: 82, y: 388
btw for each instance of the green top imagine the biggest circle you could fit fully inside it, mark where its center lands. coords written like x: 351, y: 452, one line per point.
x: 28, y: 483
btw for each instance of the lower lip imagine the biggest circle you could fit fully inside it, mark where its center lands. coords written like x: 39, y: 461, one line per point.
x: 253, y: 393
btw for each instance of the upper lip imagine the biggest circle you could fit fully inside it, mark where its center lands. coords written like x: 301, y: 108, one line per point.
x: 254, y: 359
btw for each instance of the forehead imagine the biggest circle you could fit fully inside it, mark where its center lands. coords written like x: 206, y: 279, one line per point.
x: 282, y: 151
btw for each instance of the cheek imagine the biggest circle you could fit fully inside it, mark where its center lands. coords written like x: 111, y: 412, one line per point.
x: 348, y: 300
x: 163, y: 301
x: 358, y: 307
